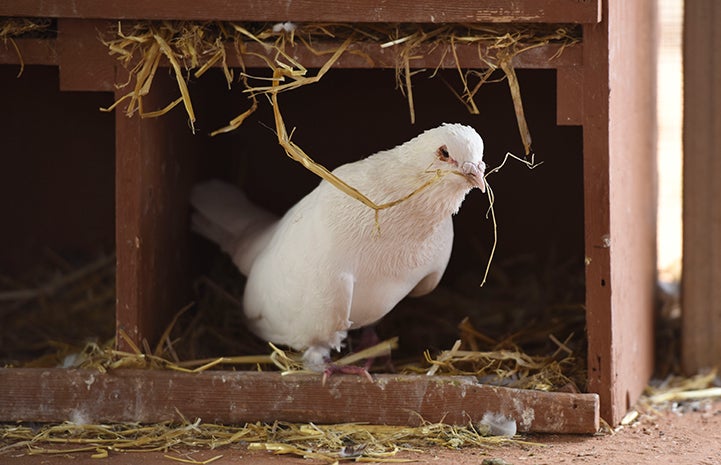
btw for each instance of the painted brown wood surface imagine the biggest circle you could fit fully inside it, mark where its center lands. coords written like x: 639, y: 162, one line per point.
x: 410, y: 11
x: 371, y: 55
x: 28, y: 52
x: 56, y: 180
x: 86, y: 65
x: 153, y: 170
x: 701, y: 294
x: 569, y: 95
x: 83, y: 59
x: 620, y: 202
x: 51, y: 395
x: 597, y: 213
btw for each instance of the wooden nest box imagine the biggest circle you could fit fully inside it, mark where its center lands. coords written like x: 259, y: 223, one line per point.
x: 590, y: 110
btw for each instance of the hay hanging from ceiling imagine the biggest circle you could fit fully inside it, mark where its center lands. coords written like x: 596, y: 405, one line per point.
x: 196, y: 47
x: 189, y: 46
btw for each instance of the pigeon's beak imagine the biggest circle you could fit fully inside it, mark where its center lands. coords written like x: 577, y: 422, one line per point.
x: 474, y: 173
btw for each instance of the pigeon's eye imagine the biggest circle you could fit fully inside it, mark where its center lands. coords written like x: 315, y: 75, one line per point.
x: 443, y: 152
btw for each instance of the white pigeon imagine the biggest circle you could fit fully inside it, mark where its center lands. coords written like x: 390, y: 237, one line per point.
x: 324, y: 267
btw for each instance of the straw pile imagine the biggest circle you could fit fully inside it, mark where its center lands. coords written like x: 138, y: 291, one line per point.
x: 48, y: 314
x: 330, y: 443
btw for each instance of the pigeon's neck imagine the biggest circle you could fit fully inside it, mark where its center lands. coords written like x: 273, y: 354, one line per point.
x: 425, y: 197
x: 425, y: 210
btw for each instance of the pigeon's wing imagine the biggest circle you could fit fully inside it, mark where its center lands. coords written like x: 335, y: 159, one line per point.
x: 443, y: 238
x: 299, y: 292
x: 427, y: 284
x: 311, y: 310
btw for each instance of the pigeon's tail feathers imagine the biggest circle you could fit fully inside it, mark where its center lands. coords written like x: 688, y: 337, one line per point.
x: 226, y: 216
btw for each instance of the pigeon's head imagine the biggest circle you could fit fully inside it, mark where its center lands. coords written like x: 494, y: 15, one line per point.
x: 458, y: 149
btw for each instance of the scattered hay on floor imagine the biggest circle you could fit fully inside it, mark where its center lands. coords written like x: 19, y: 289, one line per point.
x: 678, y: 394
x: 329, y: 443
x: 677, y: 389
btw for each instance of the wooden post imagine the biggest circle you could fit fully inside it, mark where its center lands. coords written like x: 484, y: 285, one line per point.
x: 701, y: 293
x: 153, y: 169
x: 620, y: 202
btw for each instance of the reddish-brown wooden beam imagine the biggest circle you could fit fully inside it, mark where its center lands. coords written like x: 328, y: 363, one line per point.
x: 154, y: 166
x: 84, y: 61
x: 359, y: 54
x: 620, y: 202
x: 569, y: 96
x: 86, y: 65
x: 371, y: 55
x: 28, y: 52
x: 701, y: 293
x: 409, y: 11
x: 51, y: 395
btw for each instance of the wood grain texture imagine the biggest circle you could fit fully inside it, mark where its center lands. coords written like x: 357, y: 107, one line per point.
x: 701, y: 294
x: 83, y: 59
x: 569, y: 95
x: 235, y: 397
x: 597, y: 218
x: 86, y: 65
x: 153, y: 171
x: 29, y: 52
x: 371, y: 55
x: 409, y: 11
x: 620, y: 202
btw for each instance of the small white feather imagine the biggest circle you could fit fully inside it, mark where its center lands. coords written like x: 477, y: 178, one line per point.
x: 497, y: 424
x: 284, y: 27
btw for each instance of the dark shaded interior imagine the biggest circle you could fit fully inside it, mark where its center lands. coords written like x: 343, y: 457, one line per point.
x: 57, y: 189
x: 57, y: 182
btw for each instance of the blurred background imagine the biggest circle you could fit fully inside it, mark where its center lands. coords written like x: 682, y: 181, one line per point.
x: 670, y: 159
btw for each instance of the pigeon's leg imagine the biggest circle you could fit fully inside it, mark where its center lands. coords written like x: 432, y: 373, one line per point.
x: 332, y: 369
x: 317, y: 358
x: 368, y: 338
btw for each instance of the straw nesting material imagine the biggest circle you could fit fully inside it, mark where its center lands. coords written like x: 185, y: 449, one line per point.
x: 331, y: 443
